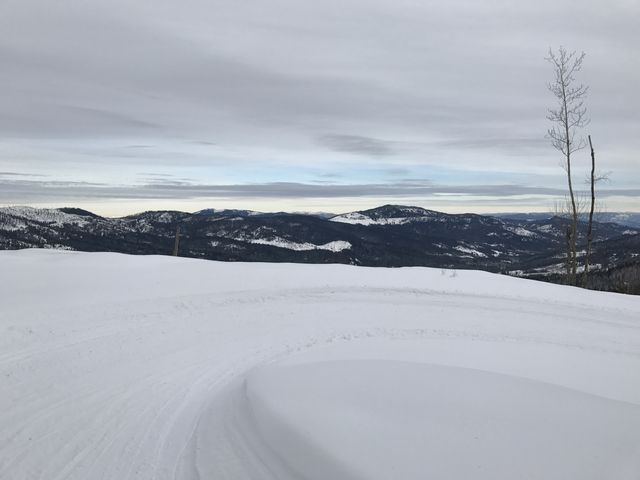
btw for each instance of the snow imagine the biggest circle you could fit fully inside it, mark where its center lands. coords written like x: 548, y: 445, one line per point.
x: 523, y: 232
x: 471, y: 251
x: 356, y: 218
x: 122, y: 367
x: 335, y: 246
x: 446, y: 423
x: 42, y: 215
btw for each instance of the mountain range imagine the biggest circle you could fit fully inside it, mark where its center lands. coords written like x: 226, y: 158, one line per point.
x: 387, y: 236
x: 630, y: 219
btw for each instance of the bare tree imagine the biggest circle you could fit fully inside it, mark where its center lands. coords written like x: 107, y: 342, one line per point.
x: 569, y: 116
x: 176, y: 244
x: 594, y: 178
x: 563, y: 208
x: 592, y: 184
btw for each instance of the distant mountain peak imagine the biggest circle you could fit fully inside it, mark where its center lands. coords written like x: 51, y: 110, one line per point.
x: 386, y: 215
x: 232, y: 212
x: 391, y: 210
x: 78, y: 211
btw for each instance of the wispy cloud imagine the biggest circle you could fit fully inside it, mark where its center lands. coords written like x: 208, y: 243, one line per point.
x: 20, y: 174
x: 38, y: 191
x: 357, y: 144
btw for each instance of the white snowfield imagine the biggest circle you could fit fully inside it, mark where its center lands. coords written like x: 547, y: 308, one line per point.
x: 357, y: 218
x: 128, y: 367
x: 335, y: 246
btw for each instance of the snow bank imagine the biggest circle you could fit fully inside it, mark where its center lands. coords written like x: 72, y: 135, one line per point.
x: 385, y: 419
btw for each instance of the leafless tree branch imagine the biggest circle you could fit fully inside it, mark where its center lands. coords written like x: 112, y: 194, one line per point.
x: 568, y: 117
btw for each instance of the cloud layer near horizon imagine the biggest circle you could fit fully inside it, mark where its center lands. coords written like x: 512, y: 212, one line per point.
x: 344, y: 98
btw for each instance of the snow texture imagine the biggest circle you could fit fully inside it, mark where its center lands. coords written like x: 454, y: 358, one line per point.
x: 131, y: 367
x: 43, y: 215
x: 470, y: 251
x: 523, y: 232
x: 402, y: 216
x: 335, y: 246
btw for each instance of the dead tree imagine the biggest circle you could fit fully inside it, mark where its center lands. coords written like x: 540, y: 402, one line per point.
x: 568, y: 118
x: 592, y: 183
x: 594, y: 178
x: 176, y: 244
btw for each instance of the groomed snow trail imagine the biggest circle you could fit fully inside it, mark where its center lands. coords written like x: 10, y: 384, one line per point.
x: 122, y: 367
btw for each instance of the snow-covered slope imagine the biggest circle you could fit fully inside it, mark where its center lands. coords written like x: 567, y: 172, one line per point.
x: 381, y: 419
x: 335, y: 246
x: 121, y: 367
x: 46, y: 216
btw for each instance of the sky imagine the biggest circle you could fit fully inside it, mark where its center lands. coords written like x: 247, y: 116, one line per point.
x: 301, y: 105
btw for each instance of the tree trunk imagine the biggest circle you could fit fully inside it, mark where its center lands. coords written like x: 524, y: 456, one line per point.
x: 572, y: 253
x: 568, y: 261
x: 592, y: 208
x: 176, y: 245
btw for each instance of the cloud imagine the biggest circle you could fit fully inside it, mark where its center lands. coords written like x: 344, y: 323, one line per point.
x: 160, y: 188
x: 520, y: 146
x: 397, y: 171
x: 19, y: 174
x: 357, y: 144
x: 329, y: 175
x: 103, y: 91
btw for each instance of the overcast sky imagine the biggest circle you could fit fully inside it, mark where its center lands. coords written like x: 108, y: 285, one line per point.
x: 333, y: 105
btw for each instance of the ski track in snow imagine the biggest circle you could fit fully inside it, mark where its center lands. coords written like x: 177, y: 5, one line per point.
x: 119, y: 367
